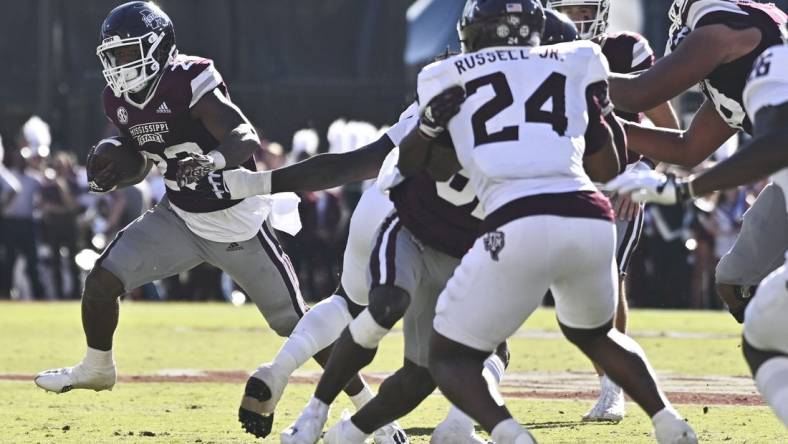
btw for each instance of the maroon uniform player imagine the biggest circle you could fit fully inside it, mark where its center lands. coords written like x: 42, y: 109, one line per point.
x: 175, y: 109
x: 626, y: 52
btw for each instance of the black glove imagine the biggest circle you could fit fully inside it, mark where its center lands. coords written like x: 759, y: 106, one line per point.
x: 212, y: 186
x: 193, y: 168
x: 440, y: 110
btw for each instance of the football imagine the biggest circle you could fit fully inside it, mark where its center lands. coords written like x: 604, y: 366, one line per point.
x: 120, y: 153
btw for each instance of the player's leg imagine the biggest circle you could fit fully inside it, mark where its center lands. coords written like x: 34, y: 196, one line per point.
x: 765, y: 341
x: 324, y: 322
x: 586, y: 298
x: 155, y: 246
x: 611, y: 406
x: 499, y: 279
x: 758, y: 251
x: 395, y: 266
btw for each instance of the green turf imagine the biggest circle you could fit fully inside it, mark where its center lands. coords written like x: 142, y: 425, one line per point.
x: 153, y: 337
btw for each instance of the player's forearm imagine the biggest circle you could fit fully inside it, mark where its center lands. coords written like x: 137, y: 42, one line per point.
x: 664, y: 116
x: 328, y: 170
x: 631, y: 93
x: 760, y: 158
x: 238, y: 145
x: 413, y: 153
x: 663, y: 145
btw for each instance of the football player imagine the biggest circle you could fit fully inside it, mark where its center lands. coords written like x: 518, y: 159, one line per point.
x: 546, y: 225
x: 713, y: 42
x: 175, y: 109
x: 765, y: 99
x: 626, y: 52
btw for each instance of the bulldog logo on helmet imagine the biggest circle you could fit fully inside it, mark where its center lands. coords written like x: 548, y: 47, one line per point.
x: 153, y: 20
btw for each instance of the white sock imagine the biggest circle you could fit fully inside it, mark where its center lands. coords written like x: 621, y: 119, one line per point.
x: 353, y: 433
x: 772, y: 381
x: 507, y: 431
x: 318, y: 329
x: 492, y: 373
x: 98, y: 359
x: 317, y: 406
x: 608, y: 384
x: 362, y: 397
x: 366, y: 331
x: 458, y: 416
x: 667, y: 415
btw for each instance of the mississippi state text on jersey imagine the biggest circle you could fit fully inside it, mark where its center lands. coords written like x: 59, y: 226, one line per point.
x: 724, y: 86
x: 163, y: 129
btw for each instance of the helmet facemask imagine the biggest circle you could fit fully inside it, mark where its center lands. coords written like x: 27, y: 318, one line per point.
x: 591, y: 27
x: 139, y: 72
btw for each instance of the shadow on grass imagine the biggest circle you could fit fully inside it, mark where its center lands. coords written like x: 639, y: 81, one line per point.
x: 427, y: 431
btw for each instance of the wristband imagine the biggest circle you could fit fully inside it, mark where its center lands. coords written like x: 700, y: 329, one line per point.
x: 219, y: 162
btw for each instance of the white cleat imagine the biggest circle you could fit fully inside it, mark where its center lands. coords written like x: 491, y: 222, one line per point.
x: 306, y: 429
x: 263, y: 391
x: 610, y: 406
x: 677, y: 432
x: 340, y: 433
x: 391, y: 433
x: 62, y: 380
x: 455, y: 432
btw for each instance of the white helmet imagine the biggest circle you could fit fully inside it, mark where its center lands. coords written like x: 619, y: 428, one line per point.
x: 587, y: 29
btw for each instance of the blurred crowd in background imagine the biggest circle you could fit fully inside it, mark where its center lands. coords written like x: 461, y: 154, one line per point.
x: 52, y: 230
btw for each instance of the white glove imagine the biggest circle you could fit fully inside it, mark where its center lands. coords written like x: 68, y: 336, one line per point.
x: 651, y: 186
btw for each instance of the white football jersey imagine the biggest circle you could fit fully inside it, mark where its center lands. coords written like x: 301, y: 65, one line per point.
x: 521, y: 130
x: 768, y: 86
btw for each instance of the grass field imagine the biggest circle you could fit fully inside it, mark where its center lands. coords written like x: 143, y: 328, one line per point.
x: 183, y: 368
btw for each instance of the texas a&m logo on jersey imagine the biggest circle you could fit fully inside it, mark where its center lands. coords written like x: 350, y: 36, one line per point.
x: 149, y: 132
x: 494, y: 242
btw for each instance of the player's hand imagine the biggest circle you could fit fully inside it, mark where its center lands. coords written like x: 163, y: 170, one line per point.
x: 650, y: 186
x: 102, y: 181
x: 440, y: 110
x: 624, y: 207
x: 193, y: 168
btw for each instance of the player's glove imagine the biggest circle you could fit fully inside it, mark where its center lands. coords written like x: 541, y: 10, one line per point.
x: 102, y: 181
x: 193, y: 168
x: 440, y: 110
x: 651, y: 186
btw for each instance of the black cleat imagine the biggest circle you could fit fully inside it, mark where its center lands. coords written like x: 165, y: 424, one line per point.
x: 259, y: 425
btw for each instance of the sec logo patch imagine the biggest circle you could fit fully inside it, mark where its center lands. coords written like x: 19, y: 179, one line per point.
x: 123, y: 115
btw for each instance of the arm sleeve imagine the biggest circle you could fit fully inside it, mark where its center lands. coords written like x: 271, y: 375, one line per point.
x: 768, y: 82
x: 407, y: 121
x: 434, y: 79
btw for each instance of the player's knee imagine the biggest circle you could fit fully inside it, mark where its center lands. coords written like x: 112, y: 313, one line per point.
x: 353, y: 308
x: 586, y: 337
x: 388, y: 304
x: 736, y: 298
x: 101, y: 284
x: 417, y: 380
x: 755, y: 357
x: 283, y: 325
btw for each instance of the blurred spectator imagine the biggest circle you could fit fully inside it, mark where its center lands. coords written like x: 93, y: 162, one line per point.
x: 9, y: 188
x: 59, y: 210
x: 19, y: 227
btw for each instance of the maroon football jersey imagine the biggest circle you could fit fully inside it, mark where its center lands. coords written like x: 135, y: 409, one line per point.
x: 164, y: 130
x: 725, y: 85
x: 439, y: 214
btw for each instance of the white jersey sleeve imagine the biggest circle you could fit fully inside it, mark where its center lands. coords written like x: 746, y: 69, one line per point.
x: 768, y: 81
x: 407, y: 121
x: 596, y: 64
x: 436, y: 78
x: 700, y: 8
